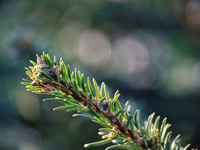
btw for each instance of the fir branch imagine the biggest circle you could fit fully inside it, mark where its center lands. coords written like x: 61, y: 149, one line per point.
x: 90, y: 101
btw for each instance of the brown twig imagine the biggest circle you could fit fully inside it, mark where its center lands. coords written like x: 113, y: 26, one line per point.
x: 116, y: 124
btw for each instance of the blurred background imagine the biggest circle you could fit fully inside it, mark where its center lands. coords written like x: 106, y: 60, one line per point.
x: 148, y: 49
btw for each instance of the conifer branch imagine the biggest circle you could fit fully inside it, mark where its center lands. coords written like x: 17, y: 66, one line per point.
x: 94, y: 102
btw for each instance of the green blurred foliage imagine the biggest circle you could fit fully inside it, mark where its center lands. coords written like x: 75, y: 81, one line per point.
x: 149, y: 50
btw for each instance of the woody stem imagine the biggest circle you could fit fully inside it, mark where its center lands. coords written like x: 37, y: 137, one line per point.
x: 116, y: 122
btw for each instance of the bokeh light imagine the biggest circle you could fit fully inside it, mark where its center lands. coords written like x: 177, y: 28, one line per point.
x: 94, y: 48
x: 28, y: 105
x: 193, y: 13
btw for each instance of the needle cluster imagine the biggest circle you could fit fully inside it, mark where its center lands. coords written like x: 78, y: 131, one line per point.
x: 94, y: 102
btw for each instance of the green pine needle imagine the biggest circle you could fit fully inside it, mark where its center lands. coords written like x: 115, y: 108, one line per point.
x: 93, y: 102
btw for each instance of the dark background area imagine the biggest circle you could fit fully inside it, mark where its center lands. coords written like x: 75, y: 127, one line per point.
x: 148, y: 49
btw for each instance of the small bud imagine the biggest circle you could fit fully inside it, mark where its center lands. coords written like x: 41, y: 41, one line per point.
x: 39, y: 61
x: 47, y: 87
x: 54, y: 72
x: 34, y: 83
x: 105, y: 105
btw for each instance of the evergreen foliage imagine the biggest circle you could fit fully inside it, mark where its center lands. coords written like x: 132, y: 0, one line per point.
x: 94, y: 102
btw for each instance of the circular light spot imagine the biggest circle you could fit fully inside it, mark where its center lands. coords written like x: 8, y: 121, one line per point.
x: 130, y: 55
x: 94, y: 48
x: 28, y: 106
x: 193, y: 13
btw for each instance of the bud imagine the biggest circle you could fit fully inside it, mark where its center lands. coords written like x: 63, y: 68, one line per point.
x: 105, y: 105
x: 55, y: 72
x: 47, y: 87
x: 34, y: 83
x: 39, y: 61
